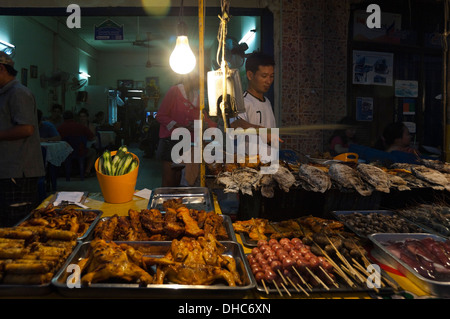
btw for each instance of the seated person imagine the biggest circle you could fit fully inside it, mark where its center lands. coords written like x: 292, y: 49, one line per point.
x: 72, y: 128
x: 396, y: 137
x: 47, y: 131
x: 340, y: 140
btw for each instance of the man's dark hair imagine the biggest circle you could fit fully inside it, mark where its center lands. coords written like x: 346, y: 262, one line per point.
x: 10, y: 70
x: 256, y: 59
x: 68, y: 115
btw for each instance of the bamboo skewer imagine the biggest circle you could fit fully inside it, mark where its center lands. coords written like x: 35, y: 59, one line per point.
x: 265, y: 287
x: 329, y: 278
x: 293, y: 284
x: 301, y: 278
x: 285, y: 289
x: 317, y: 278
x: 345, y: 261
x: 282, y: 277
x: 367, y: 263
x: 276, y: 286
x: 336, y: 267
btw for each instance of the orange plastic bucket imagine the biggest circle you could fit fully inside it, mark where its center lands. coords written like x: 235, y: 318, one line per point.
x: 117, y: 189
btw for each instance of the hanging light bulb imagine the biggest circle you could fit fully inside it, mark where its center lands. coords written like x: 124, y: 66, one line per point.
x: 182, y: 60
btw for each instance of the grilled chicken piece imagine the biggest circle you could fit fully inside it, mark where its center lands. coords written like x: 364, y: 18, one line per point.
x: 191, y: 226
x: 109, y: 261
x: 172, y: 226
x: 195, y: 262
x: 153, y: 221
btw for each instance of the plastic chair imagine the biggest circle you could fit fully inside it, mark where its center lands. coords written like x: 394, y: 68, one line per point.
x: 78, y: 143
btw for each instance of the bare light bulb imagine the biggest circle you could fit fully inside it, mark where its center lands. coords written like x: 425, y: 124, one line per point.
x: 182, y: 59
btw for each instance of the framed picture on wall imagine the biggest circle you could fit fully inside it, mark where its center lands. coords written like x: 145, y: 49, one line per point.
x: 33, y: 71
x: 126, y: 83
x: 24, y: 76
x: 139, y: 84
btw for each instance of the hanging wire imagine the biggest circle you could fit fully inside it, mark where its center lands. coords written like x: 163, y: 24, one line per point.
x: 223, y: 30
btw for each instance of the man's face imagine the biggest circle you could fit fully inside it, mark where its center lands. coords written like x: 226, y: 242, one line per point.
x: 262, y: 79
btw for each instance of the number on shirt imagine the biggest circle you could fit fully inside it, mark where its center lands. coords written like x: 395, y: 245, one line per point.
x: 260, y: 119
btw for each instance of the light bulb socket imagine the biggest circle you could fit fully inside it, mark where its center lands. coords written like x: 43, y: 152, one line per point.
x: 181, y: 28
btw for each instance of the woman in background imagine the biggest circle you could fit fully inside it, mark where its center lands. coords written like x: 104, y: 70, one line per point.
x: 341, y: 139
x: 396, y: 137
x: 179, y: 108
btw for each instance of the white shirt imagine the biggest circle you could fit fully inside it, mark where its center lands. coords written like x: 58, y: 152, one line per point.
x: 258, y: 112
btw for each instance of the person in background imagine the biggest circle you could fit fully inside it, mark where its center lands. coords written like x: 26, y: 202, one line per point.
x: 260, y: 71
x: 47, y: 131
x: 56, y: 115
x: 396, y: 137
x: 71, y: 128
x: 21, y: 163
x: 83, y: 118
x: 342, y: 138
x: 99, y: 119
x: 179, y: 108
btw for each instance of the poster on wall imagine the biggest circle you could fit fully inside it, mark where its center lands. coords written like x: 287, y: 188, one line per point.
x: 372, y: 68
x: 406, y: 88
x: 364, y: 109
x: 390, y: 31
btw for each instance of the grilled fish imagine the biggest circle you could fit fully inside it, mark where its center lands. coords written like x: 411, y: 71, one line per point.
x: 374, y: 176
x: 314, y: 179
x: 347, y: 177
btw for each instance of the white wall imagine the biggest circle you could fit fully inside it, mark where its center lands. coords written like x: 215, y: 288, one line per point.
x: 42, y: 42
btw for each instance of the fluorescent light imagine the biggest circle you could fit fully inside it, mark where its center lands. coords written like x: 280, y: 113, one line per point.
x: 9, y: 45
x: 9, y: 48
x: 248, y: 36
x: 84, y: 74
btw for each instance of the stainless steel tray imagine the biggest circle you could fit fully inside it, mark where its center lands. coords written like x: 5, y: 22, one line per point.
x: 437, y: 288
x: 226, y: 222
x: 198, y: 198
x: 343, y: 287
x: 339, y: 214
x: 83, y: 237
x: 169, y: 290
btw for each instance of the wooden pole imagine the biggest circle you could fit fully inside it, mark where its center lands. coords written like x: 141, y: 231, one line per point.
x: 201, y: 71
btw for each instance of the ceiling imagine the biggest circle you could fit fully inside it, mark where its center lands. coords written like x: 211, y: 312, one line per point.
x: 161, y: 32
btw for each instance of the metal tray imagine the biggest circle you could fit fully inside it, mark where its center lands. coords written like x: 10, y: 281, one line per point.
x: 90, y: 228
x: 338, y: 215
x: 226, y: 222
x: 198, y: 198
x: 437, y: 288
x: 343, y: 287
x: 169, y: 290
x: 16, y: 290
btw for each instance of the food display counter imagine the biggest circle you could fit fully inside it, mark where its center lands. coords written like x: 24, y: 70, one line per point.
x: 238, y: 246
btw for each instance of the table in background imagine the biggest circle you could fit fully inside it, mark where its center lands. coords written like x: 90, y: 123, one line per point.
x: 106, y: 138
x: 56, y: 154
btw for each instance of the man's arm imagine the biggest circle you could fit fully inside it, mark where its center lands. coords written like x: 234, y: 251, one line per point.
x: 17, y: 132
x: 243, y: 124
